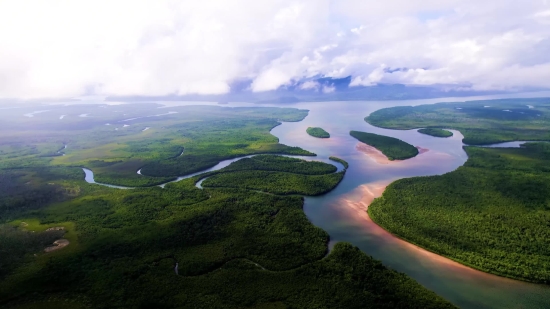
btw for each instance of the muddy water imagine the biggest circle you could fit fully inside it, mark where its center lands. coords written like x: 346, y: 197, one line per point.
x: 342, y: 212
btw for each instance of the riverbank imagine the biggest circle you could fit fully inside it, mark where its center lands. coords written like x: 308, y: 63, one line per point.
x: 494, y: 219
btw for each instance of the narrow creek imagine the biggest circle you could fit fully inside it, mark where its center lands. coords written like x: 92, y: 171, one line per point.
x: 89, y: 175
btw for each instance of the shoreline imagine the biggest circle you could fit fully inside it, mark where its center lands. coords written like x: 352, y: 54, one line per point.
x: 358, y: 210
x: 379, y: 157
x: 374, y: 154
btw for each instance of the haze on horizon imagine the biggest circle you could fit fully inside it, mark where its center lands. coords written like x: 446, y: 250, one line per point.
x: 62, y: 48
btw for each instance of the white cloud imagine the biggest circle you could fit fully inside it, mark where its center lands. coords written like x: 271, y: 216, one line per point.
x: 63, y: 48
x: 270, y: 79
x: 328, y: 89
x: 543, y: 17
x: 309, y: 85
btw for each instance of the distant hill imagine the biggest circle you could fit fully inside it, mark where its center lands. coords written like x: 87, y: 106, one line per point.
x: 320, y: 89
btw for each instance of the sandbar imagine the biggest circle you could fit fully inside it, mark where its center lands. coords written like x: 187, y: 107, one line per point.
x: 374, y: 154
x: 422, y: 150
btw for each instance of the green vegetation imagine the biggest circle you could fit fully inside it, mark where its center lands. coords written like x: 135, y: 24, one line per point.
x: 317, y: 132
x: 436, y: 132
x: 115, y: 152
x: 277, y: 175
x: 17, y: 244
x: 347, y: 278
x: 276, y: 182
x: 280, y: 164
x: 481, y: 122
x: 235, y: 247
x: 129, y: 240
x: 343, y: 162
x: 491, y: 214
x: 24, y: 190
x: 393, y: 148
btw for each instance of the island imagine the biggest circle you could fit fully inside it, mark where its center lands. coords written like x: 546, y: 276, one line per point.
x: 436, y: 132
x: 317, y: 132
x: 393, y: 148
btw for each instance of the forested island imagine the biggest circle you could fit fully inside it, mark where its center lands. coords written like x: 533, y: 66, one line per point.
x: 436, y: 132
x: 481, y: 122
x: 393, y: 148
x: 242, y: 242
x: 491, y: 214
x: 317, y: 132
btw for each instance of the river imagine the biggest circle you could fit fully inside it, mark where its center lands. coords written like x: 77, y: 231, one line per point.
x: 342, y: 212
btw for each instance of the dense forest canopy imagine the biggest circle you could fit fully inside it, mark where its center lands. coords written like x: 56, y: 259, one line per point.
x: 491, y: 214
x: 244, y: 244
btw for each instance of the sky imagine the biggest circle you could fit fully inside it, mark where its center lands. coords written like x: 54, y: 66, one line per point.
x: 56, y: 48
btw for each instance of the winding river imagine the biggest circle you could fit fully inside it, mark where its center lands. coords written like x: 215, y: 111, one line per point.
x: 89, y: 175
x: 342, y: 212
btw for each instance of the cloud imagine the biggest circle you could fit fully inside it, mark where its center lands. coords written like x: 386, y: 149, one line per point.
x: 328, y: 89
x: 310, y: 85
x: 63, y: 48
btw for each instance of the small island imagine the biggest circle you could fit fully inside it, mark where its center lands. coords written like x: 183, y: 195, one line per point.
x: 317, y: 132
x: 436, y: 132
x: 341, y: 161
x: 393, y: 148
